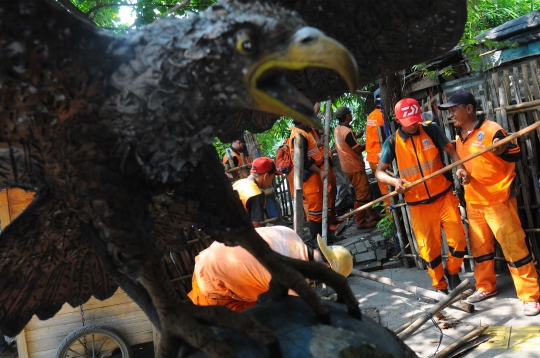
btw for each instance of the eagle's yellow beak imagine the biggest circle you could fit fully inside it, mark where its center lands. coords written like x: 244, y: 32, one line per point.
x: 309, y: 47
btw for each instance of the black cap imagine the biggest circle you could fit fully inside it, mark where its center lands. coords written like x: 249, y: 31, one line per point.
x: 241, y: 139
x: 459, y: 97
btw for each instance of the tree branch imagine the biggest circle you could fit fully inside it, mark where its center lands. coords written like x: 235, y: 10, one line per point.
x: 72, y: 8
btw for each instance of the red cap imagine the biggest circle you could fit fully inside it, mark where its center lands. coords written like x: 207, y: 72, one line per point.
x: 408, y: 112
x: 264, y: 165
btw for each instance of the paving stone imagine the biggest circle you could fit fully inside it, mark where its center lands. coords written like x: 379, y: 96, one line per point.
x: 352, y: 249
x: 360, y: 247
x: 378, y: 240
x: 392, y: 264
x: 372, y: 266
x: 367, y: 256
x: 381, y: 254
x: 350, y: 240
x: 368, y: 244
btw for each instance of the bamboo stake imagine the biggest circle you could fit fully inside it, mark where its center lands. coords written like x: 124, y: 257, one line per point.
x: 298, y: 220
x: 327, y: 119
x: 418, y: 291
x: 448, y: 167
x: 235, y: 169
x: 475, y: 333
x: 438, y: 307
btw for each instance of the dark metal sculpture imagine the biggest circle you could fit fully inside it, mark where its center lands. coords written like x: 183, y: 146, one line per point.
x: 114, y: 133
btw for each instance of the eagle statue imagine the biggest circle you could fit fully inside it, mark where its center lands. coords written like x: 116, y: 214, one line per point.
x: 115, y: 132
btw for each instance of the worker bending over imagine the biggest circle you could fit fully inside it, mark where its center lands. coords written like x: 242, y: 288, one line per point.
x: 232, y: 277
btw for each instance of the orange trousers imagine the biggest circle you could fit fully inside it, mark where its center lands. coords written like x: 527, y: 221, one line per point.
x: 501, y: 221
x: 198, y: 298
x: 313, y: 194
x: 427, y: 221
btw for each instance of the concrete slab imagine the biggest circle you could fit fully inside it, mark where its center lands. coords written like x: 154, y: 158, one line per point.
x: 397, y: 307
x: 367, y: 256
x: 360, y: 247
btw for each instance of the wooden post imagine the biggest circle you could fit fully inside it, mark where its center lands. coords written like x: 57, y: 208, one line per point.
x: 328, y: 117
x: 22, y: 347
x: 298, y: 221
x: 475, y: 333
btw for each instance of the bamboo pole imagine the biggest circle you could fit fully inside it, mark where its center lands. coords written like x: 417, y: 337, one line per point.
x: 298, y: 220
x: 418, y: 291
x: 474, y: 333
x: 395, y: 216
x: 328, y: 117
x: 448, y: 167
x: 438, y: 307
x: 235, y: 169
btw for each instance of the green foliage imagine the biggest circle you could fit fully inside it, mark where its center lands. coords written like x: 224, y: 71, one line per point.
x: 387, y: 226
x: 105, y: 13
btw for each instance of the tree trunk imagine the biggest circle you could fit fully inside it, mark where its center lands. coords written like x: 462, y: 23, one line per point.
x: 390, y: 95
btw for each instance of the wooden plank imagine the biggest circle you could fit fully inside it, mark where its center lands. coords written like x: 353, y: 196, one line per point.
x: 534, y: 78
x: 133, y: 329
x: 156, y: 337
x: 75, y: 317
x: 22, y: 346
x: 4, y: 209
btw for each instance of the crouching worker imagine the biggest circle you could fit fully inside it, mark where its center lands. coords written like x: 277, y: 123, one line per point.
x: 250, y: 190
x: 232, y: 277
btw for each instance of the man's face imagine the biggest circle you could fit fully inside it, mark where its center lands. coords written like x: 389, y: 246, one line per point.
x: 268, y: 180
x: 459, y: 114
x: 240, y: 145
x: 412, y: 129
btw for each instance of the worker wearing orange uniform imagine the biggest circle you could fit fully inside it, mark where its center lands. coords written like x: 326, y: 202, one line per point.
x: 492, y: 214
x: 237, y: 148
x: 232, y: 277
x: 313, y: 177
x: 373, y: 144
x: 334, y: 224
x: 352, y: 164
x: 250, y: 189
x: 432, y: 203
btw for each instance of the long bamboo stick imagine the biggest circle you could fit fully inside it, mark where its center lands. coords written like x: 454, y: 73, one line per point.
x: 438, y: 307
x: 474, y: 333
x: 417, y: 291
x: 235, y: 169
x: 448, y: 167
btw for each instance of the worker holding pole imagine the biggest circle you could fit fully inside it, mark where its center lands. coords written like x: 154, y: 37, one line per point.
x: 491, y: 211
x: 433, y: 205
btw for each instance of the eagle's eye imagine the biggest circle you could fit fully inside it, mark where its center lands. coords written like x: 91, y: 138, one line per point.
x: 245, y: 43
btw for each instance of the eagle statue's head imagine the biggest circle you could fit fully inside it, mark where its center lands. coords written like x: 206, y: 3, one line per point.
x: 228, y: 68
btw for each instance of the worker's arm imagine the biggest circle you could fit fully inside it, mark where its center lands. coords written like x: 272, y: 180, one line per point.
x: 509, y: 152
x: 255, y: 208
x: 387, y: 156
x: 461, y: 172
x: 353, y: 143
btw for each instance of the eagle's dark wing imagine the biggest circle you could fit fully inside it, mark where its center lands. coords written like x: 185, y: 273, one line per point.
x: 46, y: 261
x: 51, y: 67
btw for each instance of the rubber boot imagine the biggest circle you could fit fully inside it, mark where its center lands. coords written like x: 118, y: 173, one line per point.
x: 335, y: 224
x: 453, y: 280
x: 360, y: 217
x: 374, y: 215
x: 314, y: 229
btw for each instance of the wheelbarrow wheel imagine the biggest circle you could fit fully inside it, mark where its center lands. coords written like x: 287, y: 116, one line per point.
x: 94, y: 341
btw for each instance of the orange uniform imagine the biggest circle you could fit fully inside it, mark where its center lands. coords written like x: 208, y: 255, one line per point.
x: 237, y: 160
x: 352, y: 163
x: 232, y: 277
x: 313, y: 187
x: 373, y: 145
x: 432, y: 203
x: 489, y: 211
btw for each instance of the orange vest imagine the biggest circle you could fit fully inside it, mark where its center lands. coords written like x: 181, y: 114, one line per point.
x: 350, y: 161
x: 243, y: 173
x: 491, y: 177
x: 416, y: 158
x: 373, y: 145
x: 246, y: 189
x: 313, y: 151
